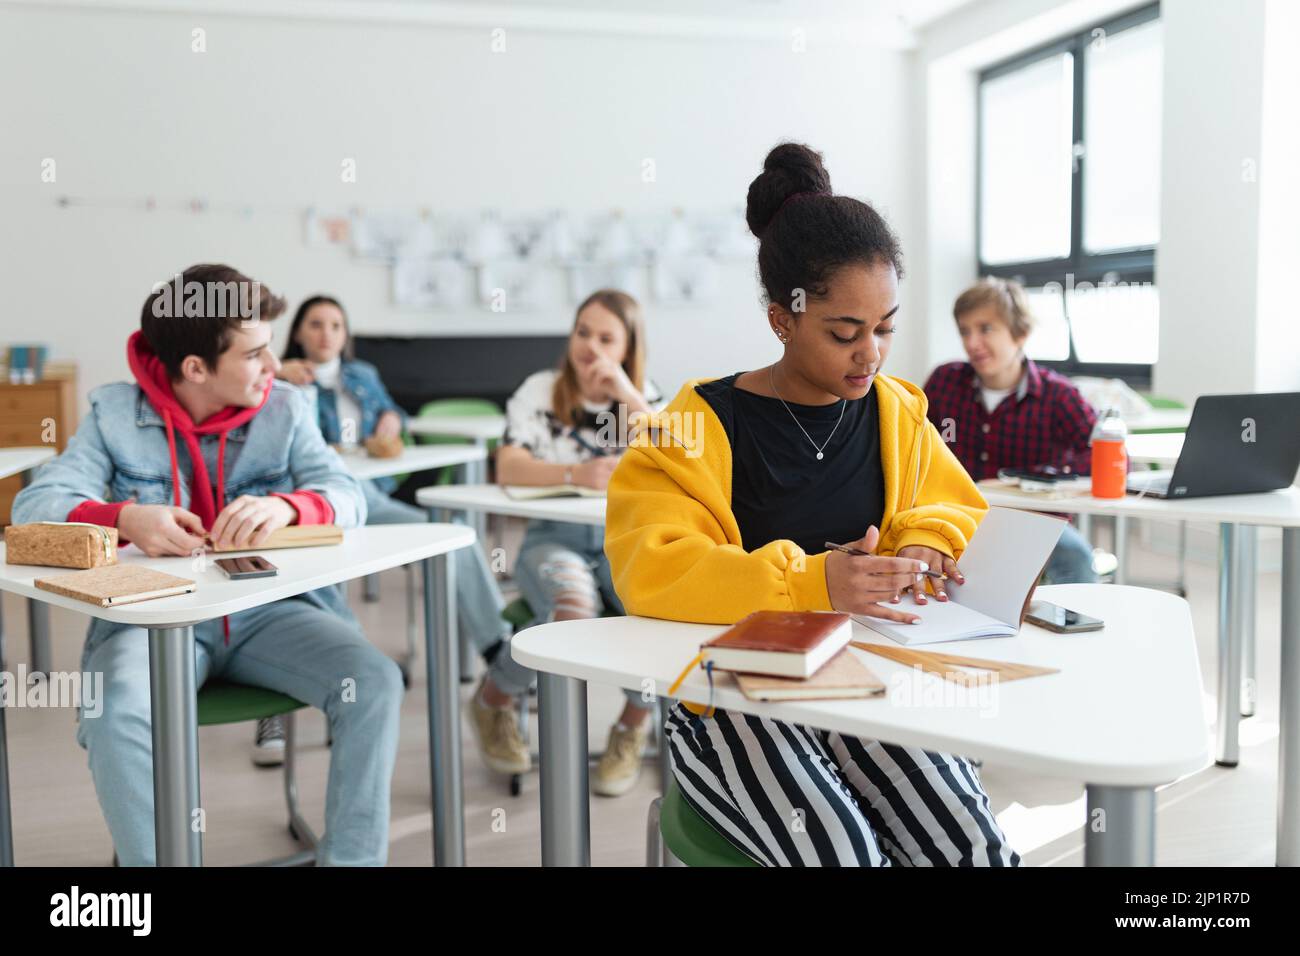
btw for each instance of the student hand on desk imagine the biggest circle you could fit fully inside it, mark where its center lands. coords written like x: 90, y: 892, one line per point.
x: 938, y: 561
x: 249, y: 520
x: 856, y: 583
x: 161, y: 530
x: 389, y: 425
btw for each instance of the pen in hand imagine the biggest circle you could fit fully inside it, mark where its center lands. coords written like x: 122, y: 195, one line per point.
x: 858, y: 552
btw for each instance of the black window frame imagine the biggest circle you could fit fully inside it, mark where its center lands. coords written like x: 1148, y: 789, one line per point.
x: 1135, y: 265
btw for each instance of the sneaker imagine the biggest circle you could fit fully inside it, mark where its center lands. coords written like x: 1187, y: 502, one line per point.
x: 620, y: 764
x: 497, y: 730
x: 268, y: 743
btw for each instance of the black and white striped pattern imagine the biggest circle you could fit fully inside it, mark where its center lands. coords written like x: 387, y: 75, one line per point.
x: 789, y: 795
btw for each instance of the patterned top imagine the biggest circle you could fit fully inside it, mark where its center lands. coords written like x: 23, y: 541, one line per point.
x: 532, y: 425
x: 1044, y: 421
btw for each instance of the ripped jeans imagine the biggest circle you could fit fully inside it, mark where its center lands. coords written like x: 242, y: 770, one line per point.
x: 561, y: 567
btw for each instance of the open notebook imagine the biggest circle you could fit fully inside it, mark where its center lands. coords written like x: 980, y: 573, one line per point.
x: 1001, y: 566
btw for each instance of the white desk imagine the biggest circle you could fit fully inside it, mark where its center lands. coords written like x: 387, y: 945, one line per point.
x: 492, y: 499
x: 14, y: 461
x: 1237, y: 516
x: 171, y: 621
x: 412, y: 459
x: 480, y: 429
x: 1101, y: 720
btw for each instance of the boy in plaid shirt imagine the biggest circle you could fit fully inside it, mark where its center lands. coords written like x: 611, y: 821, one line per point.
x: 1000, y: 410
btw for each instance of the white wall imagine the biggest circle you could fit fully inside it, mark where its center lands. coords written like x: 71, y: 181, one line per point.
x: 1277, y: 340
x: 432, y: 117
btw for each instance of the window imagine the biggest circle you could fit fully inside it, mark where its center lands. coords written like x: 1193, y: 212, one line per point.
x: 1069, y: 193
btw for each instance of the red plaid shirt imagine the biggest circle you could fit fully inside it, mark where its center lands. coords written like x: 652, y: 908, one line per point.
x: 1044, y: 421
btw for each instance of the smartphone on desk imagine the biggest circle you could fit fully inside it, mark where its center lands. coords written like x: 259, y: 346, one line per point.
x: 1061, y: 619
x: 250, y: 566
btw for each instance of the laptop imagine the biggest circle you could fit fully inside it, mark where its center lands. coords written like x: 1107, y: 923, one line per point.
x: 1235, y: 445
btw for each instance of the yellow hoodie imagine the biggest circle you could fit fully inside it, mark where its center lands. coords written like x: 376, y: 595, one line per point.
x: 673, y: 542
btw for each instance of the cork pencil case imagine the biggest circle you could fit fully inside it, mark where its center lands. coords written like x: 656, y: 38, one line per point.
x: 61, y: 544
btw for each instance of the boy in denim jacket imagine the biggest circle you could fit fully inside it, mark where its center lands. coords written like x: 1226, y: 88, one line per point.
x: 207, y: 444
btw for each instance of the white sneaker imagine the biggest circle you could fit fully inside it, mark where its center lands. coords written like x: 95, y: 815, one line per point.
x: 268, y: 743
x: 620, y: 764
x: 499, y: 740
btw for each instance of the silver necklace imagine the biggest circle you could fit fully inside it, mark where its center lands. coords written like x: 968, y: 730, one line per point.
x: 771, y: 377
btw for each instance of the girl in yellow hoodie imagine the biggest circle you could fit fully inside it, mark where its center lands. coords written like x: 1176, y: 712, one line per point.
x: 724, y: 508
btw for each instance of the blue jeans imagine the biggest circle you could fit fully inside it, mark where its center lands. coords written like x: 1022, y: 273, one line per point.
x: 1071, y: 560
x: 290, y: 646
x: 559, y: 562
x: 478, y: 598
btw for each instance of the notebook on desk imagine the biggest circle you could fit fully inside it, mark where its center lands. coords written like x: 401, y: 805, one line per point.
x: 1001, y: 567
x: 116, y: 584
x: 536, y: 492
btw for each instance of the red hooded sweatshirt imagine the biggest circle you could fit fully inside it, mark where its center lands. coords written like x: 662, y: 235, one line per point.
x: 153, y: 380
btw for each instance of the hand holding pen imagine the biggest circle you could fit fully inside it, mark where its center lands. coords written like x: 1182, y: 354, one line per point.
x: 860, y: 582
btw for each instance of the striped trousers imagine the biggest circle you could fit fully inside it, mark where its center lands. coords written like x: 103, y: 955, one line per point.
x: 789, y: 795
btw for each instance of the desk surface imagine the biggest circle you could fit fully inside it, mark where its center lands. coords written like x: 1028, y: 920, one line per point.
x: 413, y: 458
x: 1125, y: 709
x: 363, y: 551
x: 1278, y: 509
x: 477, y: 427
x: 492, y: 499
x: 14, y: 461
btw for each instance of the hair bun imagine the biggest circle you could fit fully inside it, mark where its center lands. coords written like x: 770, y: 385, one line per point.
x: 789, y: 168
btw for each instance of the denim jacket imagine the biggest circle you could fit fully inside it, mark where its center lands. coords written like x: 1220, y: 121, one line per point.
x: 361, y: 381
x: 119, y: 453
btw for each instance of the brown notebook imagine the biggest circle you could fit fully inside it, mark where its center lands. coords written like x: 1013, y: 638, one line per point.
x: 843, y: 678
x: 780, y: 643
x: 116, y: 584
x: 296, y: 536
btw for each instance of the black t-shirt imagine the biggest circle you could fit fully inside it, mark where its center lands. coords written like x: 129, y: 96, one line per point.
x: 779, y: 490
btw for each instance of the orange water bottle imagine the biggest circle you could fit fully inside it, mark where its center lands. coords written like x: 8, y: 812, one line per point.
x: 1109, y: 456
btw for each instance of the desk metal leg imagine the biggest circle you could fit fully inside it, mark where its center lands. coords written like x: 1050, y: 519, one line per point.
x: 1288, y: 744
x: 178, y: 837
x: 465, y: 665
x: 1121, y: 827
x: 1247, y: 535
x: 1121, y: 549
x: 1230, y: 639
x: 38, y: 623
x: 441, y: 670
x: 566, y: 801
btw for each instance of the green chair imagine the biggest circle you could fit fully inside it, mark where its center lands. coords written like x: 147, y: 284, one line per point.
x: 674, y: 824
x: 224, y: 702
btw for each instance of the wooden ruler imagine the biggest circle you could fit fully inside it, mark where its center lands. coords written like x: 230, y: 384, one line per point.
x: 932, y: 662
x: 296, y: 536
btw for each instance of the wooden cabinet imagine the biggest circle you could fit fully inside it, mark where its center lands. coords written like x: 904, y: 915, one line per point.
x: 30, y: 414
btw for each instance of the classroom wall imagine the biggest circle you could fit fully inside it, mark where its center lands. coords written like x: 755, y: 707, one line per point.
x: 265, y: 116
